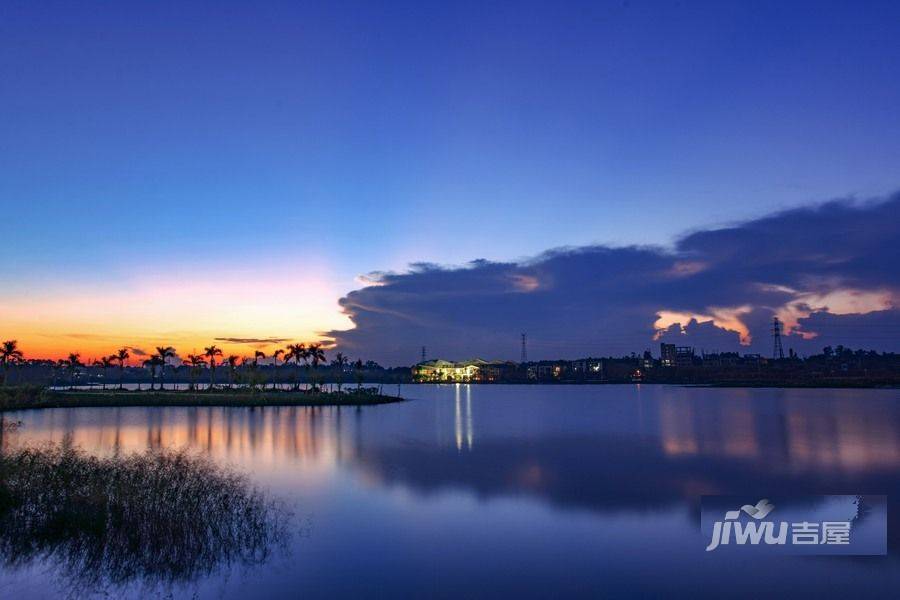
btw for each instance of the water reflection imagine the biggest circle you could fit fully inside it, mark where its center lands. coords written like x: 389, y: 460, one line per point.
x: 616, y: 454
x: 669, y: 444
x: 794, y: 434
x: 463, y: 417
x: 154, y: 520
x: 270, y: 433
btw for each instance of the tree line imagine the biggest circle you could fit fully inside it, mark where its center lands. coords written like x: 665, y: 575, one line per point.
x: 245, y: 370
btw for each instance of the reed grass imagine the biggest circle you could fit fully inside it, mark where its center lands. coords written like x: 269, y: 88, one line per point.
x: 160, y: 517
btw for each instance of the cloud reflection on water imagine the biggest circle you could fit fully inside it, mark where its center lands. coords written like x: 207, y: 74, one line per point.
x: 666, y: 443
x: 615, y: 455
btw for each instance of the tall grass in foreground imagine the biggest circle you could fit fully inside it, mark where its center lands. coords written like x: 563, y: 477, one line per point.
x: 150, y: 519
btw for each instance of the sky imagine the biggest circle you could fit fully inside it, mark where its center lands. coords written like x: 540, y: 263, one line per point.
x: 184, y: 172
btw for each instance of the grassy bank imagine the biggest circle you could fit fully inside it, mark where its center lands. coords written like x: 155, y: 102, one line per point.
x: 28, y: 397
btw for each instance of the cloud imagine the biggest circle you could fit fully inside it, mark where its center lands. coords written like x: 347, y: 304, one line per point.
x: 829, y: 271
x: 137, y: 351
x: 239, y: 340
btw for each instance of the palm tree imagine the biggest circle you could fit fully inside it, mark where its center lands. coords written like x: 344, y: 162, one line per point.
x: 122, y: 355
x: 17, y: 364
x: 296, y: 352
x: 256, y: 356
x: 164, y: 353
x: 151, y: 364
x: 72, y: 363
x: 340, y: 361
x: 358, y: 373
x: 232, y: 363
x: 211, y: 352
x: 196, y: 362
x: 255, y: 379
x: 105, y: 363
x: 275, y: 368
x: 9, y: 352
x: 315, y: 354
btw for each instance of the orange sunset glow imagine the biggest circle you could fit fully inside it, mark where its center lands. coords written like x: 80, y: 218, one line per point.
x: 239, y: 312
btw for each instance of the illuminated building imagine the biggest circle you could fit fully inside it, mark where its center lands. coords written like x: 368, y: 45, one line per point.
x: 467, y: 370
x: 667, y: 355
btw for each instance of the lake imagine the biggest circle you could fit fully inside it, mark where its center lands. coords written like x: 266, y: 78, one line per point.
x: 532, y: 491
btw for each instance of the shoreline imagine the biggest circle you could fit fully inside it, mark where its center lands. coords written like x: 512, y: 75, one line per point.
x: 38, y: 399
x: 873, y: 385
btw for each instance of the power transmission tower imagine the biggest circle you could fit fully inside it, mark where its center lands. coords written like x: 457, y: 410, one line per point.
x: 778, y: 350
x: 524, y: 349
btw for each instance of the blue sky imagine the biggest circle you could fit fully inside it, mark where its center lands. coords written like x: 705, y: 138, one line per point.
x: 186, y: 137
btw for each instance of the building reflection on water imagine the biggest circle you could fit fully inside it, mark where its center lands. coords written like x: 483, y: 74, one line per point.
x: 463, y: 416
x: 660, y: 446
x: 267, y: 434
x: 800, y: 436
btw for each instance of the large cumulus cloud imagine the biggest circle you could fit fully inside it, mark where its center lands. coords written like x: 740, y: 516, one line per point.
x: 829, y: 272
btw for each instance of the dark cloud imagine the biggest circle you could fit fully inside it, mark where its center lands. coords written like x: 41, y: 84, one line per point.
x: 705, y: 336
x: 879, y: 330
x: 829, y: 271
x: 263, y: 341
x: 137, y: 351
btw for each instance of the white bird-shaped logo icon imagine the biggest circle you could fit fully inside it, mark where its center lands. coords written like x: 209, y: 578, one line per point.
x: 762, y: 508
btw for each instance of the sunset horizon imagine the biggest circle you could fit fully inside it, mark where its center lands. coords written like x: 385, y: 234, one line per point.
x: 259, y: 306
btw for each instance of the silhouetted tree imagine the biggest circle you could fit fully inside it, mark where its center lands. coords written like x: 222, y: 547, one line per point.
x: 122, y: 356
x: 297, y: 352
x: 164, y: 353
x: 211, y: 353
x: 151, y: 364
x: 358, y: 373
x: 315, y: 354
x: 9, y: 353
x: 195, y: 362
x: 340, y: 361
x: 72, y: 362
x: 105, y: 363
x: 275, y: 354
x: 232, y: 362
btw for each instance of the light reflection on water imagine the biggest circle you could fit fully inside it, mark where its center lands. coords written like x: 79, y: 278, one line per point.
x: 527, y: 489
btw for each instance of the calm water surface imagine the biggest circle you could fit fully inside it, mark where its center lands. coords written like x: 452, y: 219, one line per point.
x: 537, y: 491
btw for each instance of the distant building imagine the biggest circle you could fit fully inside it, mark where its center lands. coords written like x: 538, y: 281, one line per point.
x: 667, y: 355
x: 684, y: 356
x: 676, y: 356
x: 467, y: 370
x: 754, y: 359
x: 550, y: 371
x: 721, y: 359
